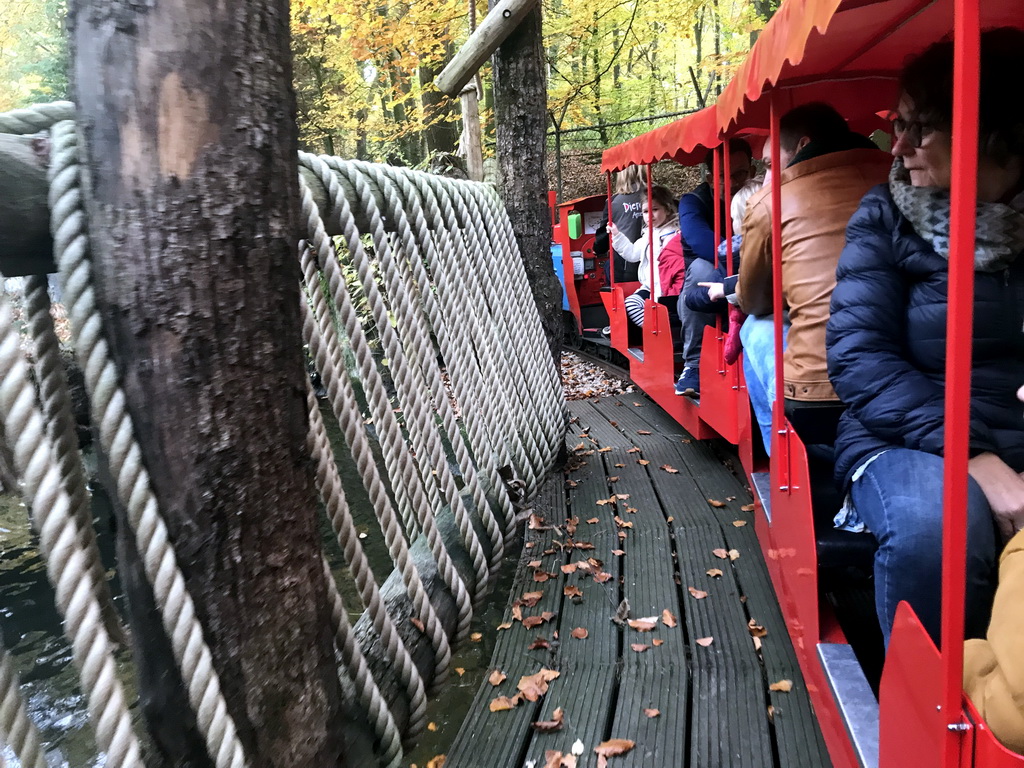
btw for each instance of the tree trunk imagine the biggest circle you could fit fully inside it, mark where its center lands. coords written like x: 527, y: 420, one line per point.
x: 442, y: 130
x: 520, y: 105
x: 188, y: 118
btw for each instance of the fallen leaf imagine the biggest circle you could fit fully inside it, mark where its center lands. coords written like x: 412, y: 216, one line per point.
x: 571, y: 590
x: 602, y: 502
x: 783, y: 685
x: 541, y: 576
x: 622, y: 523
x: 699, y: 594
x: 739, y: 523
x: 642, y: 462
x: 670, y: 469
x: 435, y: 762
x: 657, y: 642
x: 568, y: 568
x: 730, y: 498
x: 476, y: 637
x: 757, y: 643
x: 497, y: 677
x: 634, y: 449
x: 720, y: 553
x: 503, y: 704
x: 755, y: 629
x: 614, y: 747
x: 539, y: 644
x: 613, y: 479
x: 432, y: 727
x: 571, y: 483
x: 593, y: 520
x: 537, y: 523
x: 604, y: 450
x: 716, y: 503
x: 602, y: 577
x: 504, y: 626
x: 642, y: 431
x: 667, y: 618
x: 639, y: 647
x: 533, y: 564
x: 554, y: 724
x: 418, y: 624
x: 644, y: 625
x: 638, y: 405
x: 620, y: 466
x: 580, y: 447
x: 536, y: 685
x: 530, y: 599
x: 651, y: 712
x: 734, y: 554
x: 460, y: 671
x: 715, y: 573
x: 618, y: 552
x: 747, y: 508
x: 771, y: 713
x: 577, y: 747
x: 704, y: 641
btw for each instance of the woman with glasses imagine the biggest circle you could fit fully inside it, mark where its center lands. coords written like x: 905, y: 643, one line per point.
x: 886, y: 339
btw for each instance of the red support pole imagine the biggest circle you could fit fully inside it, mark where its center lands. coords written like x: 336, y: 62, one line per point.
x: 728, y: 207
x: 959, y: 333
x: 608, y: 226
x: 716, y: 168
x: 778, y: 411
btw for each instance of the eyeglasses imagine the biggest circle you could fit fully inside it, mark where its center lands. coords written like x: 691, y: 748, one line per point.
x: 911, y: 131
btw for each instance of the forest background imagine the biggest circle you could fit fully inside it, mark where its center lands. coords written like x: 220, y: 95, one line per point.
x: 364, y: 72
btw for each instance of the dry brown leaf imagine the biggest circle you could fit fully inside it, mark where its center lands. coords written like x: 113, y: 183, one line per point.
x: 602, y: 502
x: 642, y: 462
x: 638, y: 405
x: 503, y: 703
x: 755, y: 629
x: 554, y: 724
x: 536, y: 685
x: 783, y: 685
x: 704, y: 641
x: 620, y: 466
x: 618, y: 552
x: 418, y: 624
x: 435, y: 762
x: 580, y: 633
x: 739, y: 523
x: 747, y: 507
x: 771, y: 713
x: 644, y: 625
x: 460, y: 671
x: 497, y: 677
x: 634, y: 449
x: 593, y: 520
x: 656, y: 642
x: 537, y: 523
x: 734, y: 554
x: 639, y: 647
x: 699, y: 594
x: 667, y: 618
x: 476, y: 637
x: 720, y: 553
x: 541, y: 576
x: 716, y: 503
x: 604, y: 450
x: 613, y: 479
x: 533, y: 564
x: 571, y: 483
x: 715, y: 573
x: 614, y: 747
x: 504, y: 625
x: 571, y: 590
x: 670, y: 469
x: 530, y: 599
x: 757, y: 643
x: 602, y: 577
x: 642, y: 431
x: 651, y: 712
x: 622, y: 523
x: 569, y: 568
x: 539, y: 644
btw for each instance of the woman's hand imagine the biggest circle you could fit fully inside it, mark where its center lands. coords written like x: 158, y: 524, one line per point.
x: 716, y: 291
x: 1004, y: 490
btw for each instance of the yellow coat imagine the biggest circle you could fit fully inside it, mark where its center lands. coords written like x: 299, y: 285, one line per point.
x: 994, y: 667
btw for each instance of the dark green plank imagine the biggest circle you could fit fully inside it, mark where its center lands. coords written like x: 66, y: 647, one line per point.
x: 660, y: 740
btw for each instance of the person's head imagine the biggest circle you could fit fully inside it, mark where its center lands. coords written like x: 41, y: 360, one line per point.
x: 924, y: 121
x: 664, y: 206
x: 630, y: 180
x: 809, y: 123
x: 741, y: 168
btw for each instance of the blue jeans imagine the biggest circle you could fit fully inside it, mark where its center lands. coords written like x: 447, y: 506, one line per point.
x: 694, y: 323
x: 758, y: 340
x: 899, y: 497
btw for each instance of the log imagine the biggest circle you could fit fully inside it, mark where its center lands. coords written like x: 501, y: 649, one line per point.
x: 500, y: 22
x: 25, y: 243
x: 471, y: 133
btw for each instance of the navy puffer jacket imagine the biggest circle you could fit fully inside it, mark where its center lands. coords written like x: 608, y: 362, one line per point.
x: 886, y: 344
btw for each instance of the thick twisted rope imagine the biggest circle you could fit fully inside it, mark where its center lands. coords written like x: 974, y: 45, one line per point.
x: 117, y: 438
x: 16, y: 729
x: 38, y: 117
x: 409, y: 490
x: 411, y: 355
x: 67, y: 564
x: 56, y: 398
x: 330, y: 488
x: 416, y: 282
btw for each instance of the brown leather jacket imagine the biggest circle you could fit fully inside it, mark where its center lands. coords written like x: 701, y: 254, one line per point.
x: 819, y: 196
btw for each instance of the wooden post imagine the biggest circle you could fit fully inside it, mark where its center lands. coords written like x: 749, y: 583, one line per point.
x: 471, y: 132
x: 500, y: 22
x: 187, y: 117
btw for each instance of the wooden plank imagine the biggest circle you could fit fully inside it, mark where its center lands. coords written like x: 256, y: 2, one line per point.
x: 661, y: 740
x: 596, y: 423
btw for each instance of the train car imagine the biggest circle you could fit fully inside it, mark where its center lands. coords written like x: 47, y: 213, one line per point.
x: 848, y: 53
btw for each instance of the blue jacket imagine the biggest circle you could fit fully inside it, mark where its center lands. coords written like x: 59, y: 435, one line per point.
x: 886, y: 344
x: 697, y: 224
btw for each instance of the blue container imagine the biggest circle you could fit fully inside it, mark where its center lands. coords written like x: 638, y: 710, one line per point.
x: 556, y: 261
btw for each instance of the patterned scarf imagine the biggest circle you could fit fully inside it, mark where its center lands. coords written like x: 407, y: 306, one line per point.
x: 999, y: 231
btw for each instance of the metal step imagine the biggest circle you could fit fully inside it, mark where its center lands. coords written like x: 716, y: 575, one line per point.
x: 857, y: 704
x: 762, y: 483
x: 637, y: 352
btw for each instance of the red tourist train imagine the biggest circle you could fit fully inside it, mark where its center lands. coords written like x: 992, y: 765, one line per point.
x: 848, y: 53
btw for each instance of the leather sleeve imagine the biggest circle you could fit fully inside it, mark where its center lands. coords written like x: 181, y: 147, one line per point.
x: 754, y: 289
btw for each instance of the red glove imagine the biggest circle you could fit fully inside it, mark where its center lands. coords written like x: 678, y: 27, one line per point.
x: 733, y: 345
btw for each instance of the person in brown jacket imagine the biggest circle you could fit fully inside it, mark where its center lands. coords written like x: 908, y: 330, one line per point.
x: 826, y: 170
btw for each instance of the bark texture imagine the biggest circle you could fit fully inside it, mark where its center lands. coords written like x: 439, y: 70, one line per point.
x: 520, y: 108
x: 188, y: 121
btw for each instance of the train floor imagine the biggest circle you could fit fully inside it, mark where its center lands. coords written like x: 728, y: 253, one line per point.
x: 642, y: 624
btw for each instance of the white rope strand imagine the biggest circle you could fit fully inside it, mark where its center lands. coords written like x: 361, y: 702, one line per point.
x: 16, y: 729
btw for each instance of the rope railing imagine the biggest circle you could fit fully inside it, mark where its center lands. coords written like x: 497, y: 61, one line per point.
x: 433, y: 264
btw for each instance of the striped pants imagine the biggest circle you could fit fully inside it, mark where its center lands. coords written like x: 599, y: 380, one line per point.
x: 634, y: 306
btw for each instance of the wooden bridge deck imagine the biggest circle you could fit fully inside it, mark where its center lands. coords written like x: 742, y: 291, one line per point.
x: 677, y: 543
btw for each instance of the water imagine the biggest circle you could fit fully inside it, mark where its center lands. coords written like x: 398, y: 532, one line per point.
x: 32, y: 631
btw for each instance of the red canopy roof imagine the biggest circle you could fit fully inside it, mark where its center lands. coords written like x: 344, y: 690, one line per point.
x: 845, y: 52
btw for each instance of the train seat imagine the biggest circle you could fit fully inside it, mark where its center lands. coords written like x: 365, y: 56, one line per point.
x: 837, y: 550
